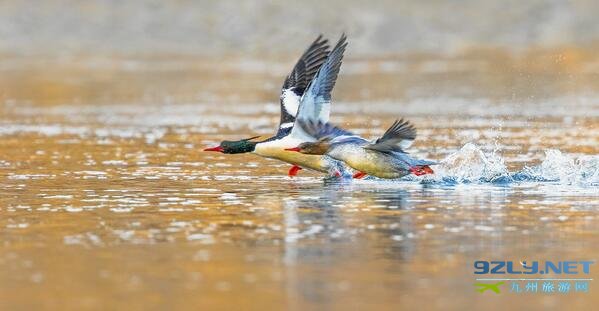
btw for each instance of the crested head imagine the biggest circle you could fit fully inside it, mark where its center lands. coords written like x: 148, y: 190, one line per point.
x: 317, y: 148
x: 235, y: 146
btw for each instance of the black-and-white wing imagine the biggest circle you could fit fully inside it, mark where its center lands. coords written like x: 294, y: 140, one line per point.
x: 397, y: 138
x: 298, y: 80
x: 315, y: 104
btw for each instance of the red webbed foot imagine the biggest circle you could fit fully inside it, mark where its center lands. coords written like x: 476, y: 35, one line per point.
x: 359, y: 175
x: 293, y: 170
x: 421, y: 170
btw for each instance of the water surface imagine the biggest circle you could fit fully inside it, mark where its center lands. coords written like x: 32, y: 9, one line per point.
x: 107, y: 202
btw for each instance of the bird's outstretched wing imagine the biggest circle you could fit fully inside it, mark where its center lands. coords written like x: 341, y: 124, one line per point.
x: 397, y: 138
x: 298, y: 80
x: 315, y: 104
x: 320, y: 130
x: 327, y: 132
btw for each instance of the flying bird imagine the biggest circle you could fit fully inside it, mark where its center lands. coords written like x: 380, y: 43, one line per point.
x: 384, y: 157
x: 306, y: 95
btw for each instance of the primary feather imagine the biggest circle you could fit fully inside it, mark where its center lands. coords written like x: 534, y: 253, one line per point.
x: 296, y: 82
x: 397, y: 138
x: 320, y: 130
x: 316, y: 101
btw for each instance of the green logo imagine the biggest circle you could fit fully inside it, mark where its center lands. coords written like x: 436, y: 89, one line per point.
x: 483, y: 287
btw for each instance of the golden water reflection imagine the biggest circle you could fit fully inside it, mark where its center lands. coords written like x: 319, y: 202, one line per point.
x: 107, y: 201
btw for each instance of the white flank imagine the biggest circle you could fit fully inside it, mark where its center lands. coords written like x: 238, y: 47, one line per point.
x: 275, y: 149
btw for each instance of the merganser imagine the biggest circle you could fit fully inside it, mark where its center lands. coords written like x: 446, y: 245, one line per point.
x: 384, y: 157
x: 293, y: 88
x: 317, y: 70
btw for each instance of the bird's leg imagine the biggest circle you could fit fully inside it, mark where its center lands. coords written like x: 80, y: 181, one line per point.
x: 416, y: 171
x: 359, y: 175
x: 428, y: 170
x: 421, y: 170
x: 293, y: 170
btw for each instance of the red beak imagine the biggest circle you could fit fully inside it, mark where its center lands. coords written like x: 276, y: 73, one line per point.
x: 217, y: 149
x: 296, y: 149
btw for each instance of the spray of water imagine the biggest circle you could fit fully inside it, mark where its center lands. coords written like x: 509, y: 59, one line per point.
x: 562, y: 168
x: 471, y: 165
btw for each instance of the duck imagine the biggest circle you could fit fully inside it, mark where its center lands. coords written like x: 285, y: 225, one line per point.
x: 306, y: 94
x: 384, y: 157
x: 292, y: 90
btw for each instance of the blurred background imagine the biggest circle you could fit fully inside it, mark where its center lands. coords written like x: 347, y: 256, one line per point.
x: 62, y: 27
x: 61, y: 50
x: 108, y: 203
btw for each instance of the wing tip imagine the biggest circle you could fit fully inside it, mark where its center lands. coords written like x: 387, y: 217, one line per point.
x: 403, y: 126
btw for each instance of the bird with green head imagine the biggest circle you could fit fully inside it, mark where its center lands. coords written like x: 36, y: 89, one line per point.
x: 235, y: 146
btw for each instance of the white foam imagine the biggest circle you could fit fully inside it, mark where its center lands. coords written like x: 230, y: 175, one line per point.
x: 470, y: 164
x: 566, y: 169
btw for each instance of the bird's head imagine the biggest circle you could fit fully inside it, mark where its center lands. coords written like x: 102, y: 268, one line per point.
x: 235, y: 146
x: 318, y: 147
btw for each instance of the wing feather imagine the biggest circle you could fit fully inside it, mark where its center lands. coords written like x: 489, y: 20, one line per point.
x: 397, y: 138
x: 315, y: 104
x: 317, y: 130
x: 296, y: 82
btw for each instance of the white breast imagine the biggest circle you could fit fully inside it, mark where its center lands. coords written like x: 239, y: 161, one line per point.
x: 275, y: 149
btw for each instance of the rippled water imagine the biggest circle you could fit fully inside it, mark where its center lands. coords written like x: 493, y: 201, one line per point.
x: 107, y: 201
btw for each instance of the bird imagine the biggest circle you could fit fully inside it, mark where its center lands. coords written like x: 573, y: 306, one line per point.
x: 293, y: 88
x: 384, y: 157
x: 306, y: 93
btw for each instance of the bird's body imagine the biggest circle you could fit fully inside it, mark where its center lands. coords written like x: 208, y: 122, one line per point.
x: 314, y: 105
x: 274, y: 149
x: 306, y: 95
x: 383, y: 158
x: 380, y: 164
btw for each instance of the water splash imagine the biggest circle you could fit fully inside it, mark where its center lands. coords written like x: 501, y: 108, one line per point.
x: 471, y: 165
x: 562, y: 168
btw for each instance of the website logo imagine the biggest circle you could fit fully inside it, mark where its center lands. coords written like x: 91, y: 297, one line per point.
x: 489, y: 286
x: 545, y: 277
